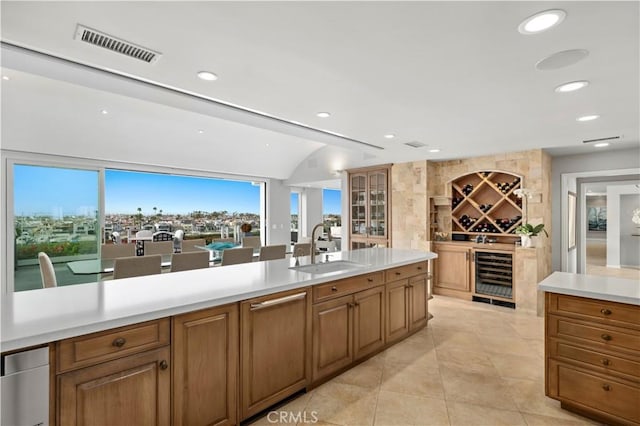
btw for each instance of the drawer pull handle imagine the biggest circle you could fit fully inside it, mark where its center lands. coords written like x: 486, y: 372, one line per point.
x: 419, y: 268
x: 606, y: 337
x: 164, y: 364
x: 119, y: 342
x: 606, y: 387
x: 604, y: 311
x: 334, y: 288
x: 370, y: 280
x: 606, y: 362
x: 398, y: 273
x: 279, y: 301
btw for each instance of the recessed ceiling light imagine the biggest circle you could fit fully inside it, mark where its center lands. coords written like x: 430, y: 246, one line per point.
x: 434, y: 150
x: 572, y: 86
x: 588, y: 117
x: 4, y: 77
x: 267, y: 145
x: 207, y: 75
x: 323, y: 114
x: 104, y: 112
x: 389, y: 136
x: 201, y: 131
x: 601, y: 144
x: 542, y: 21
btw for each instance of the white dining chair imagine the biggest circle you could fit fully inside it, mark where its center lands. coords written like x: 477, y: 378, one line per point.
x: 137, y: 266
x: 273, y: 252
x: 251, y: 241
x: 158, y: 247
x: 111, y: 251
x: 235, y: 256
x: 191, y: 260
x: 47, y: 273
x: 190, y: 245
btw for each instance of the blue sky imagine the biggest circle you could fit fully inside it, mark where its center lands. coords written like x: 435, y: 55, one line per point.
x: 330, y: 201
x: 74, y: 192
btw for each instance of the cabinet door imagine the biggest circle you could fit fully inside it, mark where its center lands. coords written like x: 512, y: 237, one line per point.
x: 397, y: 310
x: 134, y: 390
x: 275, y: 339
x: 418, y: 294
x: 358, y: 204
x: 378, y: 186
x: 368, y: 321
x: 332, y: 336
x: 205, y: 367
x: 452, y: 268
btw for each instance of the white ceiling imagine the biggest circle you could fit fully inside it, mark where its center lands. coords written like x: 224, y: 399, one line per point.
x: 453, y: 75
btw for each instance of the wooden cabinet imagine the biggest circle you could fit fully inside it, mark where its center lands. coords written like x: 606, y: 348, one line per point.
x: 205, y: 367
x: 346, y: 329
x: 452, y: 271
x: 125, y: 386
x: 275, y: 349
x: 369, y: 214
x: 592, y: 350
x: 406, y: 300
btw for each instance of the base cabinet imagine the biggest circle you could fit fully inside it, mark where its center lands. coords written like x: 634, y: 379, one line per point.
x: 406, y: 306
x: 452, y: 271
x: 275, y: 346
x: 205, y: 361
x: 346, y: 329
x: 592, y: 352
x: 131, y: 390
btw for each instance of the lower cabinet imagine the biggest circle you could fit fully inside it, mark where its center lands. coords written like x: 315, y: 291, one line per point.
x: 205, y: 366
x: 132, y: 390
x: 346, y: 329
x: 275, y: 346
x: 452, y: 271
x: 406, y: 306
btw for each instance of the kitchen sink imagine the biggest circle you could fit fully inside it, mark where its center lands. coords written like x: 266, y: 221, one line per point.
x: 325, y: 268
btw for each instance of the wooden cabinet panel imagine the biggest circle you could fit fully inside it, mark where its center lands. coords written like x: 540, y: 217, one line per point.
x: 130, y: 390
x: 452, y: 269
x: 332, y: 336
x: 601, y: 311
x: 613, y: 338
x: 405, y: 271
x: 368, y: 321
x: 275, y: 339
x: 93, y: 348
x: 205, y: 367
x: 397, y: 325
x: 603, y: 361
x: 346, y: 286
x: 369, y: 200
x: 418, y: 295
x: 589, y: 390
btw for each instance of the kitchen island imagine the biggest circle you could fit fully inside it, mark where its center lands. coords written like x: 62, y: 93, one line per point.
x: 217, y: 345
x: 592, y: 345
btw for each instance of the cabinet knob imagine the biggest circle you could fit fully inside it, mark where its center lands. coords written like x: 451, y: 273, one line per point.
x: 605, y: 337
x: 398, y: 273
x: 119, y: 342
x: 419, y: 268
x: 164, y: 364
x: 370, y: 280
x: 334, y: 288
x: 605, y: 311
x: 605, y: 361
x: 606, y: 387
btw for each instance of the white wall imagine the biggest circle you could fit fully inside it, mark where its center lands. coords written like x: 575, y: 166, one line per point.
x: 278, y: 225
x: 311, y: 210
x: 594, y: 163
x: 620, y: 243
x: 629, y: 238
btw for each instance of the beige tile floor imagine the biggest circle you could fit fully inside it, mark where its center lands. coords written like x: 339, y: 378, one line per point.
x: 475, y: 364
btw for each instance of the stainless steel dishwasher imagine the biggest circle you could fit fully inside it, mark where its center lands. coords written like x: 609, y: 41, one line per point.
x: 25, y: 388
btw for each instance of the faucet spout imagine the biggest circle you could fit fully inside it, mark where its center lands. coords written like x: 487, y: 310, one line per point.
x: 313, y: 242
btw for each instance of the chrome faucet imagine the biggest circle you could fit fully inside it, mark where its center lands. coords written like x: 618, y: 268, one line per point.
x: 313, y: 242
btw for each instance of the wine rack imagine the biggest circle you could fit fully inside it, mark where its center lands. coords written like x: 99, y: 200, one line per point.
x: 484, y: 203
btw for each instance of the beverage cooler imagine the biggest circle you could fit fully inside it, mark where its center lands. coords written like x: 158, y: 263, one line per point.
x: 494, y: 278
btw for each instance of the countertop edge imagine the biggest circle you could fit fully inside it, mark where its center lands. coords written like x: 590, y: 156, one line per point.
x: 595, y: 287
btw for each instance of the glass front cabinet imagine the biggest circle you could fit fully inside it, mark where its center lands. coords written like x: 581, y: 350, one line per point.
x: 369, y: 207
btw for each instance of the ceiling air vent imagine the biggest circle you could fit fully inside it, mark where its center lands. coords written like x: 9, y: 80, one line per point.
x: 609, y: 139
x: 115, y: 44
x: 415, y: 144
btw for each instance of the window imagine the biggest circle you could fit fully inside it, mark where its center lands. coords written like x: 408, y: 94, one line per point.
x: 331, y: 211
x: 295, y: 216
x: 55, y: 211
x: 202, y: 207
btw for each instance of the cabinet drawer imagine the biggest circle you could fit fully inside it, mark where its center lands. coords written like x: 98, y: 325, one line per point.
x: 605, y: 362
x: 347, y: 286
x: 406, y: 271
x: 603, y: 311
x: 596, y: 392
x: 99, y: 347
x: 610, y: 337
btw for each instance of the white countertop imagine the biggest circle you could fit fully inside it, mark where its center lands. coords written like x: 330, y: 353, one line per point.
x: 40, y: 316
x: 593, y: 287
